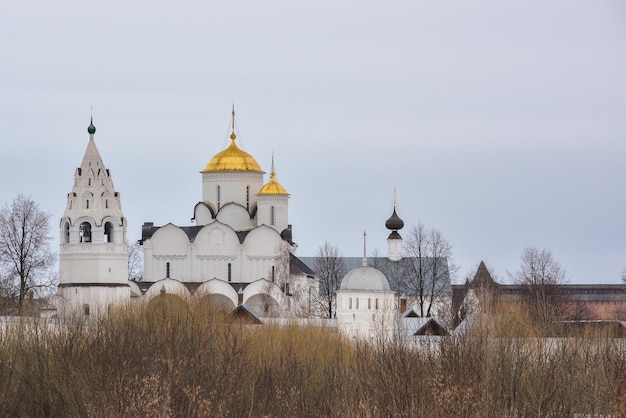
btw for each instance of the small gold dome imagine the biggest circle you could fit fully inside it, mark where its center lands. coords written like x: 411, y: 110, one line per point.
x: 273, y: 187
x: 232, y: 159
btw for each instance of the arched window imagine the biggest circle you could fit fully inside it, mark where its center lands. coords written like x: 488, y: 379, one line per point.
x: 357, y: 303
x: 219, y: 197
x: 273, y: 273
x: 248, y: 198
x: 85, y: 232
x: 350, y: 303
x: 272, y: 216
x: 376, y: 303
x: 108, y: 232
x: 167, y: 269
x: 86, y: 309
x: 66, y: 233
x: 230, y: 272
x: 87, y: 200
x: 106, y: 203
x: 369, y: 303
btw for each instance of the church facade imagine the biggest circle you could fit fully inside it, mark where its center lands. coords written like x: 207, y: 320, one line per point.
x: 239, y: 249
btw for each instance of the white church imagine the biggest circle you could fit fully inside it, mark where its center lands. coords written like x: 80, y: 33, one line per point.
x: 237, y: 254
x: 239, y: 247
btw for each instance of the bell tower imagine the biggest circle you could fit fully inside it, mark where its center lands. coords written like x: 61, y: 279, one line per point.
x: 394, y: 241
x: 93, y: 258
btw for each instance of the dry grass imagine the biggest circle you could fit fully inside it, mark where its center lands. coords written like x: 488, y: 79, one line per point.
x: 195, y: 364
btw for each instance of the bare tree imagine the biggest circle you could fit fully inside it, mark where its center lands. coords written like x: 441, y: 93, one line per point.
x: 428, y: 267
x: 577, y: 310
x: 25, y: 256
x: 280, y: 275
x: 624, y: 275
x: 135, y: 261
x: 541, y: 275
x: 331, y: 268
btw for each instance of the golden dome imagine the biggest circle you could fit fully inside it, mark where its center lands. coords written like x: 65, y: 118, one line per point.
x: 232, y: 159
x: 273, y: 187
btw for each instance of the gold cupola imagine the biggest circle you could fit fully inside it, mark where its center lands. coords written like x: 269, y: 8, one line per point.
x: 273, y: 187
x: 232, y: 158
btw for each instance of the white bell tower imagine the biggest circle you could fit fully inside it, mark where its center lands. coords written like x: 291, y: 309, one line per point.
x: 93, y: 261
x: 394, y: 241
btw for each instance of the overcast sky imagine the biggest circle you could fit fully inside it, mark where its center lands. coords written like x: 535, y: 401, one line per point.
x: 501, y: 123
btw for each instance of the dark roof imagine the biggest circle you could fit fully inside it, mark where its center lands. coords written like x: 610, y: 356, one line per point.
x: 148, y: 229
x: 614, y: 329
x: 210, y: 208
x: 191, y: 286
x: 246, y: 312
x: 297, y: 266
x: 482, y: 278
x: 394, y: 271
x: 238, y: 286
x: 410, y: 313
x: 415, y: 326
x: 242, y: 236
x: 394, y: 235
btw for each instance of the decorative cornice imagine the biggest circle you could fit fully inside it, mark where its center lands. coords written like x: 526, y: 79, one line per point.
x: 169, y: 257
x: 216, y: 257
x: 94, y: 285
x: 261, y: 257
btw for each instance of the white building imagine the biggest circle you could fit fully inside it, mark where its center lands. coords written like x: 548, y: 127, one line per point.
x: 241, y: 240
x: 93, y: 261
x: 241, y: 243
x: 366, y: 305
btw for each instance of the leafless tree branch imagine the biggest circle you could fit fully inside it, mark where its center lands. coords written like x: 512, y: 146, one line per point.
x: 25, y: 256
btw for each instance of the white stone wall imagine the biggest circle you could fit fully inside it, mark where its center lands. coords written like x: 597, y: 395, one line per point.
x: 394, y: 249
x: 281, y: 211
x: 91, y: 300
x: 236, y: 216
x: 358, y: 316
x: 214, y: 247
x: 233, y: 188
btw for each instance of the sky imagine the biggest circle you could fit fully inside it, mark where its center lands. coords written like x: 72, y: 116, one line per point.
x: 502, y: 124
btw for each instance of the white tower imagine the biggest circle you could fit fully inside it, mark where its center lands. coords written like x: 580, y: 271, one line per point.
x: 394, y: 240
x: 231, y: 177
x: 93, y: 262
x: 273, y: 204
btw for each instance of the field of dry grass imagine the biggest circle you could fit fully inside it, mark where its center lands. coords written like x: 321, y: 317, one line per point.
x: 136, y: 363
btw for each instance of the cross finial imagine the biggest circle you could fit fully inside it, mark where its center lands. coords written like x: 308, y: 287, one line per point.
x: 364, y: 260
x: 394, y: 197
x: 232, y: 135
x: 91, y: 129
x: 233, y: 117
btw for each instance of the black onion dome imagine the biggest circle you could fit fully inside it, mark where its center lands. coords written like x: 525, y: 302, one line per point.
x: 394, y: 223
x: 91, y: 129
